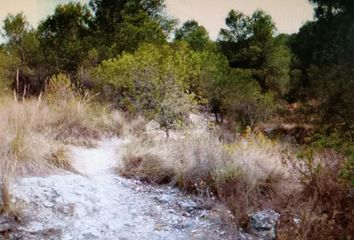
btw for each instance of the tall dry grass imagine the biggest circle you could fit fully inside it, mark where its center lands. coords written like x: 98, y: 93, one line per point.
x: 24, y: 149
x: 241, y: 174
x: 76, y: 118
x: 250, y: 174
x: 5, y: 198
x: 8, y: 209
x: 35, y: 132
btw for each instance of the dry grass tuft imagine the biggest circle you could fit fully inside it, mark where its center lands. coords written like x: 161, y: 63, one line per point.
x: 34, y: 131
x: 145, y: 164
x: 33, y: 134
x: 8, y: 209
x: 5, y: 200
x: 75, y: 118
x: 136, y: 127
x: 73, y: 125
x: 251, y: 173
x: 243, y: 174
x: 23, y: 150
x: 60, y: 158
x: 251, y: 178
x: 109, y: 122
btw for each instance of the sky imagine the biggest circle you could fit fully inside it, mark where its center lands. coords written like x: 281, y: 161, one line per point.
x: 288, y: 15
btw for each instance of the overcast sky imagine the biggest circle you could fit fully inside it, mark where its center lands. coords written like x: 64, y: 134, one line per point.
x: 288, y: 15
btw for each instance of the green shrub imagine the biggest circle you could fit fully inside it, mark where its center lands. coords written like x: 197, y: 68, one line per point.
x: 340, y: 140
x: 325, y: 199
x: 60, y: 90
x: 245, y: 102
x: 151, y: 81
x: 7, y: 71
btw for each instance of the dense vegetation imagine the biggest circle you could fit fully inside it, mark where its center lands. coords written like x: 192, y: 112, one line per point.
x: 134, y: 57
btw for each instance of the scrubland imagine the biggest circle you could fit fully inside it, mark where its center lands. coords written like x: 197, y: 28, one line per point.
x: 250, y: 173
x: 282, y: 137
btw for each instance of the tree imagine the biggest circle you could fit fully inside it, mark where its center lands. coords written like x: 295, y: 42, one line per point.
x: 324, y: 51
x: 245, y: 101
x: 332, y: 7
x: 64, y: 36
x: 239, y: 28
x: 121, y: 25
x: 7, y: 71
x: 194, y: 34
x: 15, y: 29
x: 249, y: 43
x: 214, y: 76
x: 22, y: 44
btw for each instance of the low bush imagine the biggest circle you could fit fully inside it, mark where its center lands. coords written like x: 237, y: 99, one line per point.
x: 253, y: 176
x: 325, y: 202
x: 7, y: 71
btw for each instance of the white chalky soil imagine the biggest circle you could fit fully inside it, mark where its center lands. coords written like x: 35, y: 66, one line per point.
x: 98, y: 204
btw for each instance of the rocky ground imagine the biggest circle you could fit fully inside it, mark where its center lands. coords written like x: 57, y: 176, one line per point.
x: 98, y: 204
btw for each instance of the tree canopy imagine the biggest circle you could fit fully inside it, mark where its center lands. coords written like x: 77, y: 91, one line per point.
x: 324, y: 49
x: 194, y: 34
x: 64, y: 36
x: 249, y: 43
x: 122, y: 25
x: 249, y: 62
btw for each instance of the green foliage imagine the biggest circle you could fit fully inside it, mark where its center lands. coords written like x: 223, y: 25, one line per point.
x: 151, y: 80
x: 60, y: 90
x: 324, y: 51
x: 238, y: 27
x: 195, y: 73
x: 340, y: 140
x: 109, y: 27
x: 22, y: 39
x: 23, y: 44
x: 7, y: 71
x: 334, y: 87
x: 249, y: 43
x: 277, y: 67
x: 245, y: 100
x: 15, y: 28
x: 64, y: 36
x: 122, y: 25
x: 260, y: 66
x: 215, y: 72
x: 331, y: 7
x: 194, y: 34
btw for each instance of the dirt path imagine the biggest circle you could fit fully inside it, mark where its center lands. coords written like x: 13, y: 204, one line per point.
x: 101, y: 205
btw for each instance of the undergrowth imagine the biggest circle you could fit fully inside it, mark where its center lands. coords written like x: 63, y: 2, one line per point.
x: 309, y: 188
x: 35, y: 132
x: 240, y: 174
